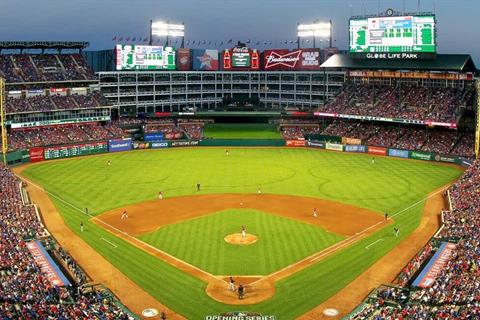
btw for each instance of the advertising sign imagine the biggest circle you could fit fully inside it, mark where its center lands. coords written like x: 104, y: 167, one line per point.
x: 284, y: 59
x: 184, y: 143
x: 46, y: 264
x: 377, y: 150
x: 156, y: 145
x: 119, y: 145
x: 141, y: 145
x: 446, y: 159
x: 398, y: 153
x: 435, y: 266
x: 36, y: 154
x: 355, y: 148
x: 205, y: 59
x: 421, y: 155
x: 184, y: 59
x: 334, y: 146
x: 316, y: 144
x: 154, y: 136
x: 346, y: 140
x: 241, y: 58
x: 295, y: 143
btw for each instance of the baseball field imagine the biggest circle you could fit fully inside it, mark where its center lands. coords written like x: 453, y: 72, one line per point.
x: 176, y: 248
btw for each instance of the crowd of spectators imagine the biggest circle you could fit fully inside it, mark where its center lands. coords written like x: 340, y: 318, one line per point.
x: 58, y: 135
x: 44, y: 68
x: 455, y: 293
x: 401, y: 101
x: 193, y: 131
x: 25, y: 292
x: 293, y: 132
x: 54, y: 102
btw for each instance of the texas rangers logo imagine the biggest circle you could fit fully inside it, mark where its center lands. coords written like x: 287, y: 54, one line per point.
x: 288, y: 60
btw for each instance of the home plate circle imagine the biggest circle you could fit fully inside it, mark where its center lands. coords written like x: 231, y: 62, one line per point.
x: 150, y: 313
x: 330, y: 312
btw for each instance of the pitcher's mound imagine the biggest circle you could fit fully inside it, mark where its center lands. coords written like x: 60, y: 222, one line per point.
x: 236, y: 238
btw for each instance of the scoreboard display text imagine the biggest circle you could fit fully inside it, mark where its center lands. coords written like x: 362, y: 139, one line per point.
x: 75, y: 150
x: 132, y: 57
x: 393, y: 35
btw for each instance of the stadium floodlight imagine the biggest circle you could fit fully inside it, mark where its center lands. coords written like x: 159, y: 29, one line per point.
x: 314, y: 30
x: 165, y: 29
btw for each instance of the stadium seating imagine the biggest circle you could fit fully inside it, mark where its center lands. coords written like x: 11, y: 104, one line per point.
x: 59, y: 135
x: 44, y: 68
x: 292, y: 132
x: 402, y: 101
x: 25, y: 292
x: 55, y: 102
x: 455, y: 293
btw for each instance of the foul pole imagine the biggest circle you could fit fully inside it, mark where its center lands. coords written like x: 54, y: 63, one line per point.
x: 2, y: 120
x: 477, y: 129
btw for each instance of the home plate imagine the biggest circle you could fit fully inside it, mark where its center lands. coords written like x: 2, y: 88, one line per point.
x: 330, y: 312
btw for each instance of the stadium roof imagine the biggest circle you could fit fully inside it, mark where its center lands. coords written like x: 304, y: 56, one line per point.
x: 443, y: 62
x: 43, y: 45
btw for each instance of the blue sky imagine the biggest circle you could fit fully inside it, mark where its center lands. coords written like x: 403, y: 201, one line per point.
x: 97, y: 21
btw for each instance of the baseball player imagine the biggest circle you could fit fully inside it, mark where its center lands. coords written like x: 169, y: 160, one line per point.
x: 397, y: 231
x: 81, y: 226
x: 124, y: 215
x: 109, y: 163
x: 226, y: 152
x: 373, y: 160
x: 231, y: 284
x: 314, y: 212
x: 241, y: 291
x: 86, y: 211
x: 259, y: 191
x: 198, y: 186
x: 160, y: 195
x: 244, y: 232
x: 386, y: 216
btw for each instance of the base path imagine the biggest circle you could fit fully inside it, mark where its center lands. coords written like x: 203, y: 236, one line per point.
x: 388, y: 267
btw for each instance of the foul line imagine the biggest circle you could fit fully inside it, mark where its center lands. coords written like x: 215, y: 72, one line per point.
x: 371, y: 244
x: 113, y: 245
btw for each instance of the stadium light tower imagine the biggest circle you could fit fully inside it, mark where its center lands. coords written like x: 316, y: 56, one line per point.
x: 165, y: 29
x: 314, y: 30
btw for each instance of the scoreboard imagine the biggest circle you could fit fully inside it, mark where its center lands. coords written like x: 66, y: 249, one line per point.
x: 393, y: 34
x: 133, y: 57
x: 74, y: 150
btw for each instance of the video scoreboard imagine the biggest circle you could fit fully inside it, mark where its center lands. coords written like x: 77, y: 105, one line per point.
x: 393, y: 35
x: 133, y: 57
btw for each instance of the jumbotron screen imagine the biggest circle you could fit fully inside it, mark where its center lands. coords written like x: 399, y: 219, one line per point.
x: 394, y: 34
x: 132, y: 57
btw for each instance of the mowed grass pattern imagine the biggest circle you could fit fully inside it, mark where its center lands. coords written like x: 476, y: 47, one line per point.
x: 281, y: 242
x: 390, y: 185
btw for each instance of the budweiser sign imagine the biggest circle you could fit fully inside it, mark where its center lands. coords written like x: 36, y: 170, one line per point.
x: 282, y: 59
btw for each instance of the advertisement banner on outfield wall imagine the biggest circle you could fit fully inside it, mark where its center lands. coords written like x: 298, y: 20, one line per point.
x: 141, y: 145
x: 316, y: 144
x: 377, y: 150
x: 355, y: 148
x: 155, y: 136
x: 352, y: 141
x: 334, y: 146
x: 36, y: 154
x: 295, y: 143
x: 120, y: 145
x: 184, y: 143
x: 421, y: 155
x: 446, y: 159
x: 398, y: 153
x: 205, y: 59
x: 159, y: 144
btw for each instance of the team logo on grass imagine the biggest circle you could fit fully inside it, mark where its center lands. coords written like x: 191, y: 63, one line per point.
x: 240, y: 315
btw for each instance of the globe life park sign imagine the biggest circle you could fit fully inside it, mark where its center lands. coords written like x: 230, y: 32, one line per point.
x: 395, y: 56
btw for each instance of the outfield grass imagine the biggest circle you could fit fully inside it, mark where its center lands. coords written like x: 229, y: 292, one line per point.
x: 241, y: 131
x: 389, y: 185
x: 281, y: 242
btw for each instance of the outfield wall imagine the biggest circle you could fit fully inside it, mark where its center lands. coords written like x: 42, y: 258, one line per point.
x: 36, y: 154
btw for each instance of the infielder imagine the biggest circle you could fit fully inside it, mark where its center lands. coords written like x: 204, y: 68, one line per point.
x: 124, y: 215
x: 160, y: 195
x: 244, y: 232
x: 314, y: 212
x: 231, y: 284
